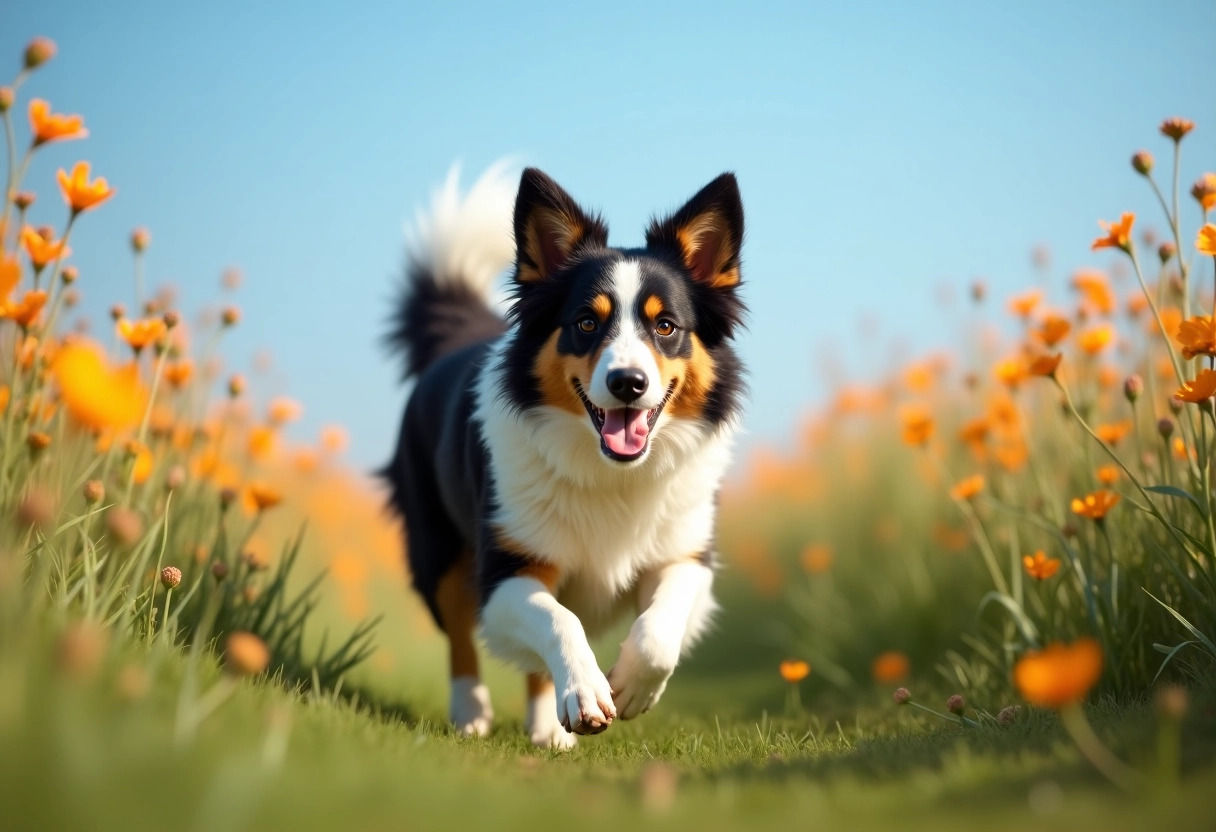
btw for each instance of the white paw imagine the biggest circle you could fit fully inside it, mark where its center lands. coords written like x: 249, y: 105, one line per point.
x: 470, y: 709
x: 540, y: 721
x: 584, y: 697
x: 648, y: 658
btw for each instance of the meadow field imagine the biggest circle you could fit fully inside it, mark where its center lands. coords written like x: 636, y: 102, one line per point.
x: 980, y: 593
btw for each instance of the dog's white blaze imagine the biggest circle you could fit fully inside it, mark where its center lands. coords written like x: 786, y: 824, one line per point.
x: 601, y: 524
x: 627, y: 350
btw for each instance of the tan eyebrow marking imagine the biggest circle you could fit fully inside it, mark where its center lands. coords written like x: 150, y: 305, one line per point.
x: 601, y: 305
x: 653, y: 307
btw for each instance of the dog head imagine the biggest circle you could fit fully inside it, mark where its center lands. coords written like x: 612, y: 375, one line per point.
x: 626, y: 339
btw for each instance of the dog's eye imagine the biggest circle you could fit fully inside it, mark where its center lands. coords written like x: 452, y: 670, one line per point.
x: 588, y: 324
x: 664, y: 327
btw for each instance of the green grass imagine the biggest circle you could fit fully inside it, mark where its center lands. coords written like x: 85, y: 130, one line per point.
x: 722, y: 750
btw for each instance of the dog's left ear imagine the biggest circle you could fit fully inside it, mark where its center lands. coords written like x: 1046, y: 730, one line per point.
x: 706, y: 233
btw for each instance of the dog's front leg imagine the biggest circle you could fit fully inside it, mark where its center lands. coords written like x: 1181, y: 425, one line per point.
x: 675, y: 603
x: 523, y: 621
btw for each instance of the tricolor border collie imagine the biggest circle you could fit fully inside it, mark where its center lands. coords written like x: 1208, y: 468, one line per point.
x: 559, y: 465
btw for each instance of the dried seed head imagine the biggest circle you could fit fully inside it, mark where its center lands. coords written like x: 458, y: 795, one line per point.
x: 69, y: 275
x: 170, y: 577
x: 219, y: 571
x: 1172, y: 701
x: 236, y: 385
x: 37, y: 441
x: 171, y: 319
x: 38, y: 508
x: 23, y: 199
x: 1009, y: 714
x: 956, y: 704
x: 230, y: 316
x: 245, y: 654
x: 140, y: 238
x: 902, y: 696
x: 1166, y: 252
x: 80, y: 649
x: 118, y: 311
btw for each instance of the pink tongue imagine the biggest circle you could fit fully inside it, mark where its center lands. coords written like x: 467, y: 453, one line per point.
x: 625, y: 430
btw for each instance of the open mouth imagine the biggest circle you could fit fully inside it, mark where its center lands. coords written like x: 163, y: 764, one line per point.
x: 624, y: 431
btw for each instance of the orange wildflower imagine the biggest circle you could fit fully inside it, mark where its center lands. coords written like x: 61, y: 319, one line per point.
x: 1039, y: 566
x: 1010, y: 371
x: 968, y: 488
x: 1096, y: 339
x: 283, y: 410
x: 889, y: 667
x: 1045, y: 365
x: 334, y: 439
x: 975, y: 431
x: 79, y: 192
x: 261, y: 442
x: 46, y: 126
x: 1206, y: 241
x: 179, y: 372
x: 305, y: 460
x: 1176, y: 127
x: 1053, y: 330
x: 1199, y: 389
x: 10, y: 276
x: 1011, y: 455
x: 1179, y: 448
x: 1095, y: 506
x: 1204, y: 191
x: 42, y: 250
x: 794, y: 670
x: 142, y: 463
x: 25, y: 311
x: 261, y: 496
x: 141, y: 333
x: 95, y: 395
x: 817, y: 558
x: 1108, y: 474
x: 1171, y: 322
x: 1060, y: 674
x: 1022, y: 305
x: 1095, y: 290
x: 1118, y: 234
x: 917, y: 426
x: 1197, y: 336
x: 1113, y: 432
x: 5, y: 395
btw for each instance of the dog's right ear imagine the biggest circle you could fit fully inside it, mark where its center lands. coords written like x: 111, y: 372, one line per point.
x: 550, y: 228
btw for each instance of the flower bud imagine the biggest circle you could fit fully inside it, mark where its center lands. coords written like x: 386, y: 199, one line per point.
x: 118, y: 312
x: 219, y: 571
x: 227, y: 497
x: 124, y: 525
x: 979, y: 290
x: 23, y: 200
x: 1171, y: 701
x: 171, y: 319
x: 245, y: 654
x: 7, y: 97
x: 1165, y: 427
x: 1009, y: 714
x: 38, y: 509
x: 1142, y: 163
x: 140, y: 238
x: 175, y: 478
x: 230, y: 316
x: 1166, y: 252
x: 1133, y: 386
x: 956, y: 705
x: 1176, y: 127
x: 94, y: 492
x: 1175, y: 407
x: 170, y: 577
x: 69, y: 275
x: 39, y: 51
x: 902, y: 696
x: 236, y: 385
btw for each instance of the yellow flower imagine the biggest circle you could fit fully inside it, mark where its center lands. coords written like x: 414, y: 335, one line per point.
x: 1010, y: 371
x: 917, y: 426
x: 10, y: 276
x: 42, y: 250
x: 794, y: 670
x: 1199, y: 389
x: 79, y: 192
x: 262, y: 496
x: 95, y: 395
x: 46, y: 126
x: 1039, y: 566
x: 1206, y: 241
x: 1022, y: 305
x: 179, y: 372
x: 968, y: 488
x: 1059, y: 675
x: 891, y: 666
x: 139, y: 334
x: 1112, y: 433
x: 1108, y: 474
x: 261, y: 442
x: 1096, y: 339
x: 1118, y: 234
x: 1095, y: 506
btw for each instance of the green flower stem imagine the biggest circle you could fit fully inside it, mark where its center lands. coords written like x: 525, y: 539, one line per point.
x: 1092, y: 748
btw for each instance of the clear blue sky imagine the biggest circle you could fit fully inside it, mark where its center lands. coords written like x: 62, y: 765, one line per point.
x: 883, y: 149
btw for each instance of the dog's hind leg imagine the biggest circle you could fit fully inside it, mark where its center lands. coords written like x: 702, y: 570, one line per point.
x: 456, y: 602
x: 540, y: 720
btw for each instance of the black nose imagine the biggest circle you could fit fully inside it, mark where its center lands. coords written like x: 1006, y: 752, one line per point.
x: 627, y: 385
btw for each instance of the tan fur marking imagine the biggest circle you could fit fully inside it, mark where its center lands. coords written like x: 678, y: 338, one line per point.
x: 554, y: 374
x: 694, y: 379
x: 456, y: 599
x: 653, y: 307
x: 602, y: 307
x: 538, y: 683
x: 692, y: 236
x: 561, y: 230
x: 546, y: 573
